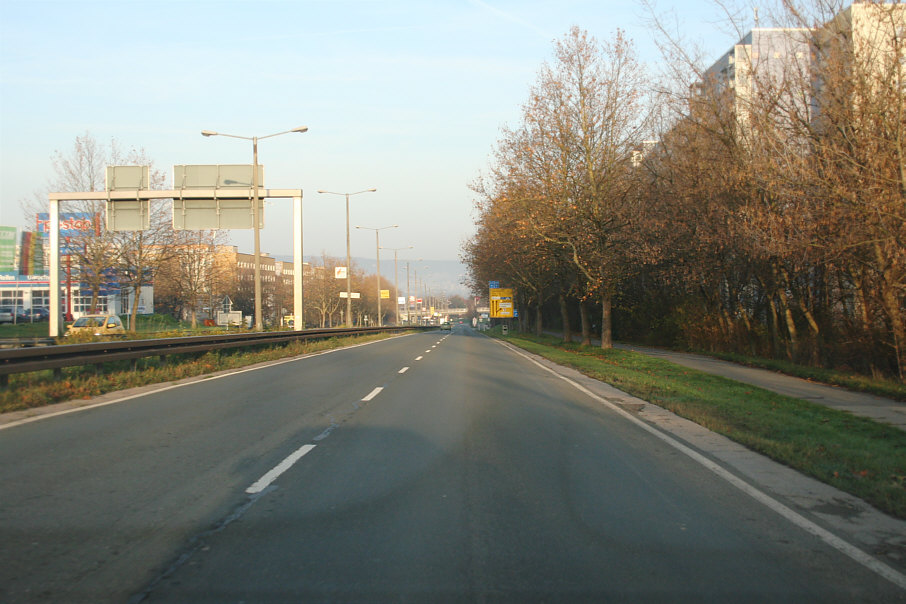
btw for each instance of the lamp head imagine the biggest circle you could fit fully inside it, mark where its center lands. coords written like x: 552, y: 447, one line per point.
x: 300, y: 129
x: 208, y: 133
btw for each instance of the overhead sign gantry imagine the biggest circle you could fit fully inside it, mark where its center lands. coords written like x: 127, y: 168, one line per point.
x: 128, y: 198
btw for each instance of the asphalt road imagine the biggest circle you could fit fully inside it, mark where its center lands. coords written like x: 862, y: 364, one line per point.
x: 427, y: 468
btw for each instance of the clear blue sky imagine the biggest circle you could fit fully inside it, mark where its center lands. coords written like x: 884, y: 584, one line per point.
x: 405, y: 96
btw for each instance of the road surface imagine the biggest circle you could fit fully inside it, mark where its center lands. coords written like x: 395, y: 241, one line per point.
x: 426, y: 468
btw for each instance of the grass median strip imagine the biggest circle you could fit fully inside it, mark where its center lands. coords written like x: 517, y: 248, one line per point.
x: 854, y: 454
x: 36, y: 389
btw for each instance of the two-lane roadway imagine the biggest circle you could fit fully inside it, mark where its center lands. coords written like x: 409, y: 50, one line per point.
x: 430, y: 467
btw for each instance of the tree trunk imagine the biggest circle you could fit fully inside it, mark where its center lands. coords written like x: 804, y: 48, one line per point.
x: 774, y: 326
x: 792, y: 349
x: 606, y: 320
x: 133, y: 312
x: 538, y: 322
x: 586, y: 323
x: 564, y: 313
x: 891, y: 303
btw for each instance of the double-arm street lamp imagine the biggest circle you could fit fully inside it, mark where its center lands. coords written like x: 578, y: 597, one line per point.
x: 396, y: 281
x: 377, y: 250
x: 348, y: 254
x: 259, y: 323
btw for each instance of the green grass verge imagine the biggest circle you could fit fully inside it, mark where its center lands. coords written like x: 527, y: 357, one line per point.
x: 39, y: 388
x: 852, y: 381
x: 145, y: 325
x: 854, y: 454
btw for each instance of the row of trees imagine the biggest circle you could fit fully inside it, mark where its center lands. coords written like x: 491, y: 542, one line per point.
x: 768, y: 218
x: 192, y: 271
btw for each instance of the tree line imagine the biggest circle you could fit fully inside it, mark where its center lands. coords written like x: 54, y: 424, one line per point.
x: 758, y: 209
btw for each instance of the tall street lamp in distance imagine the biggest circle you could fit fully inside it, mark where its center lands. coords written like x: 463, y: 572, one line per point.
x: 377, y: 250
x: 396, y: 281
x: 259, y: 323
x: 348, y: 254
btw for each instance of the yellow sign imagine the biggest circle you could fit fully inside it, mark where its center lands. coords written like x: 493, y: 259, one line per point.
x: 501, y: 303
x: 385, y: 294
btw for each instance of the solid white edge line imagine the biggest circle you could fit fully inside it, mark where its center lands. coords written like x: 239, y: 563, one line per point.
x: 403, y: 370
x: 373, y: 394
x: 802, y: 522
x: 265, y: 481
x: 194, y: 380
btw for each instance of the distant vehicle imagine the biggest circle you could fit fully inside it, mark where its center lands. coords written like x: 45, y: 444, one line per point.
x: 6, y: 314
x: 446, y: 325
x: 99, y: 325
x: 37, y: 314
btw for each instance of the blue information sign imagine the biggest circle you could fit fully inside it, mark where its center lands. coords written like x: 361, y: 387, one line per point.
x: 493, y: 284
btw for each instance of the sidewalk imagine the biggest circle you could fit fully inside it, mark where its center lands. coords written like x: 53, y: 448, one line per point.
x: 866, y: 405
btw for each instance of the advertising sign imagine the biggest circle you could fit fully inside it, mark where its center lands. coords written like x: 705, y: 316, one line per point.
x: 73, y: 227
x: 7, y: 249
x: 31, y: 254
x: 72, y: 224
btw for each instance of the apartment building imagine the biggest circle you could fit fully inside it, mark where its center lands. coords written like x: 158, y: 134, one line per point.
x: 786, y: 69
x: 770, y: 63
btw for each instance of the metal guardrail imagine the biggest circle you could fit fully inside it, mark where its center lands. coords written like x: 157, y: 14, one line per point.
x: 39, y: 358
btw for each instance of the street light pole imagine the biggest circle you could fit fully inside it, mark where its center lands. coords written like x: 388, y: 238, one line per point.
x: 348, y: 253
x: 256, y: 211
x: 377, y: 251
x: 396, y: 279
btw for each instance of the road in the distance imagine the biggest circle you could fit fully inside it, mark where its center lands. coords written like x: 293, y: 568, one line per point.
x: 468, y: 475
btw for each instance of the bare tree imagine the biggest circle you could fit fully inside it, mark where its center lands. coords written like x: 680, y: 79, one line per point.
x: 322, y: 293
x: 569, y: 164
x: 100, y: 256
x: 195, y: 271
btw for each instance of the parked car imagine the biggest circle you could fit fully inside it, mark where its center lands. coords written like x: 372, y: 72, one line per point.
x: 38, y: 314
x: 6, y: 314
x: 99, y: 325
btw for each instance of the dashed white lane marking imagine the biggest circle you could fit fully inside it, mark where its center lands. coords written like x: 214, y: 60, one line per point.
x: 403, y: 370
x: 373, y: 394
x: 194, y: 381
x: 419, y: 358
x: 265, y: 481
